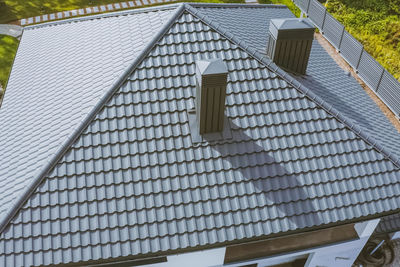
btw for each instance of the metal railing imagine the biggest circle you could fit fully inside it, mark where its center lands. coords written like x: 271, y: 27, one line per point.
x: 385, y: 86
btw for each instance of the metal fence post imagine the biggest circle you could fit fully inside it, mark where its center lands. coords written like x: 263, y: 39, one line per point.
x: 359, y: 60
x: 323, y: 22
x: 308, y: 6
x: 380, y: 79
x: 340, y: 42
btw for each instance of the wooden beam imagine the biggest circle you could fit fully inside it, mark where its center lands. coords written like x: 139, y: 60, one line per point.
x: 293, y: 242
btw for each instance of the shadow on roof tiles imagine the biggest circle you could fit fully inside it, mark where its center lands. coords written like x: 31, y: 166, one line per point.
x: 335, y: 100
x: 290, y: 188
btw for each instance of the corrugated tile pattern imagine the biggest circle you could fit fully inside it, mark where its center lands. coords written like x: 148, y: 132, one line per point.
x: 331, y: 83
x: 59, y: 74
x: 135, y: 184
x: 324, y: 76
x: 253, y: 31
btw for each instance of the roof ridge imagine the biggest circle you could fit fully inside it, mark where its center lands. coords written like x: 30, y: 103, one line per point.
x: 266, y: 61
x: 105, y: 15
x: 87, y: 120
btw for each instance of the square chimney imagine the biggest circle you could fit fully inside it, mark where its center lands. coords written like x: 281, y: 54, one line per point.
x: 207, y: 120
x: 289, y: 43
x: 211, y: 82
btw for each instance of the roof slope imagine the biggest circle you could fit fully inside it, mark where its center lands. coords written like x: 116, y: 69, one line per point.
x: 61, y: 70
x: 253, y: 32
x: 324, y: 77
x: 134, y: 184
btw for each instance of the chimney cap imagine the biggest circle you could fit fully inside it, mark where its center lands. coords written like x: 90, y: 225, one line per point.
x: 211, y: 66
x: 292, y: 28
x: 293, y: 24
x: 289, y: 43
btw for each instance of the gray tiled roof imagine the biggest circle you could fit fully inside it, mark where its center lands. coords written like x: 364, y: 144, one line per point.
x: 324, y: 77
x: 254, y: 31
x: 134, y: 184
x: 60, y: 72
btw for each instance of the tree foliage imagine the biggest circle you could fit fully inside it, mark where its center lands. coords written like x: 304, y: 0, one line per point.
x: 376, y: 24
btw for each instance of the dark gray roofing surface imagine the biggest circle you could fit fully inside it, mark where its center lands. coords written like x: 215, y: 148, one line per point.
x: 60, y: 72
x: 134, y: 184
x: 324, y: 77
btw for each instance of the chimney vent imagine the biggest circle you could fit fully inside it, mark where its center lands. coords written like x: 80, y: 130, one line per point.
x: 289, y: 43
x: 211, y: 81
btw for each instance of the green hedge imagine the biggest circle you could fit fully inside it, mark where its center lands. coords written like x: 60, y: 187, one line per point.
x: 376, y: 24
x: 8, y: 48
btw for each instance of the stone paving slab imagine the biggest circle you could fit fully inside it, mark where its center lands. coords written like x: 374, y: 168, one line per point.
x: 11, y: 30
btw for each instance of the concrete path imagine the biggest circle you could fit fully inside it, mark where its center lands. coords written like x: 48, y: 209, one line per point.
x: 98, y: 9
x: 91, y: 10
x: 11, y: 30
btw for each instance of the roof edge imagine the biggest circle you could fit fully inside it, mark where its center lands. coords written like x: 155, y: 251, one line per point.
x: 87, y: 120
x: 355, y: 128
x: 243, y: 241
x: 105, y: 15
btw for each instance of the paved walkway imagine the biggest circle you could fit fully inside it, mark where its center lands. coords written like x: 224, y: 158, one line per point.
x: 91, y: 10
x: 12, y: 30
x: 98, y: 9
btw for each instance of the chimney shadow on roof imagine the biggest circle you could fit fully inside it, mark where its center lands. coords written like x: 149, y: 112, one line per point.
x: 282, y: 190
x: 350, y: 111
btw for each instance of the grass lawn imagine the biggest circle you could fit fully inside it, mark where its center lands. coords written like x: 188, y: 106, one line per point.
x: 11, y: 10
x: 8, y: 48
